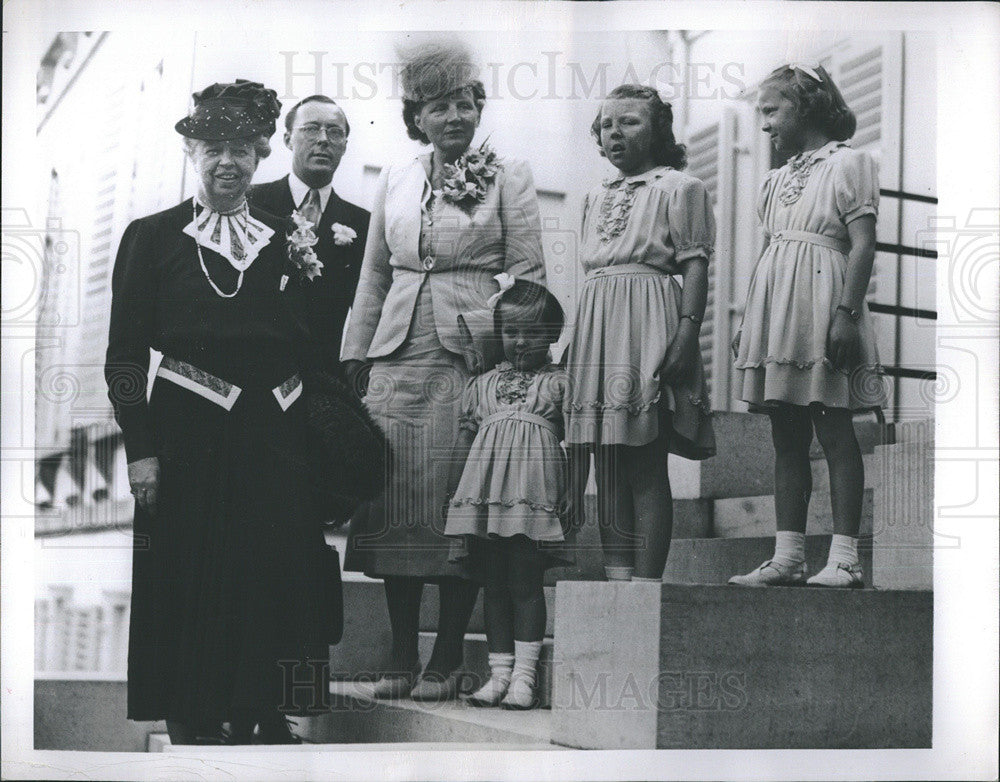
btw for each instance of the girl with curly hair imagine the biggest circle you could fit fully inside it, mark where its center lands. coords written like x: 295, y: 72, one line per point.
x: 805, y: 354
x: 636, y: 377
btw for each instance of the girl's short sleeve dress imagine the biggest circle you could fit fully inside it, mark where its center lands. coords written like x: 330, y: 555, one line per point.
x: 637, y: 233
x: 805, y: 207
x: 514, y: 481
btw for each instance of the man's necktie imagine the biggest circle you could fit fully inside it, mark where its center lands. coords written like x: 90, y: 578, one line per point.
x: 310, y: 206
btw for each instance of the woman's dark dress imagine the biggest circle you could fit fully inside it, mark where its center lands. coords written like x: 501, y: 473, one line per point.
x: 229, y: 575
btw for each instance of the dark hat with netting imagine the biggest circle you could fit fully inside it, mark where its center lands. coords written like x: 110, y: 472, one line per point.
x: 228, y: 111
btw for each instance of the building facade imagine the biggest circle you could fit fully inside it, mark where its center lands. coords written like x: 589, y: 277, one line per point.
x: 107, y: 103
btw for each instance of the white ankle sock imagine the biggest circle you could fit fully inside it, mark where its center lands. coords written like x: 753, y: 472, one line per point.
x: 526, y: 655
x: 522, y: 681
x: 501, y: 667
x: 650, y: 580
x: 843, y: 548
x: 617, y: 573
x: 789, y: 548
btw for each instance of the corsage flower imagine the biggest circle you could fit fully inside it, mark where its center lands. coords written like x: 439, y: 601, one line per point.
x: 300, y: 250
x: 343, y: 234
x: 467, y: 179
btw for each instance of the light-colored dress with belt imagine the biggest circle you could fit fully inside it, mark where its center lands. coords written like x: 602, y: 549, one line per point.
x: 515, y: 480
x: 805, y: 207
x: 637, y: 232
x: 427, y: 261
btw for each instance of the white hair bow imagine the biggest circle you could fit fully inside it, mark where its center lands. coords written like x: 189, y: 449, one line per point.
x: 506, y: 282
x: 808, y: 70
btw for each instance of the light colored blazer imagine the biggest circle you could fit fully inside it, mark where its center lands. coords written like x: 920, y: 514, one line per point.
x: 502, y: 234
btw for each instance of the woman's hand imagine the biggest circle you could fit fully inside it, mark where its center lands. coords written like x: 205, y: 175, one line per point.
x: 357, y: 373
x: 682, y: 355
x: 144, y: 478
x: 842, y: 341
x: 735, y: 345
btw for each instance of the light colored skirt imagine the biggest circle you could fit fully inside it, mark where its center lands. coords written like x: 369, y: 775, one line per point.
x: 626, y: 320
x: 793, y: 297
x: 415, y: 395
x: 514, y: 481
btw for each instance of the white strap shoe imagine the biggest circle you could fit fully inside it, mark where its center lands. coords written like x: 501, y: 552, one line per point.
x: 771, y: 573
x: 491, y: 693
x: 521, y: 694
x: 838, y: 576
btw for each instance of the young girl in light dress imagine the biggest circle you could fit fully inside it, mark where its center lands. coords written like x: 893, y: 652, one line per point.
x: 509, y: 502
x: 805, y: 353
x: 636, y: 376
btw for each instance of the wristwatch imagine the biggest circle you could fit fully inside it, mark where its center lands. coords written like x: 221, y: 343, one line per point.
x: 693, y: 318
x: 854, y: 315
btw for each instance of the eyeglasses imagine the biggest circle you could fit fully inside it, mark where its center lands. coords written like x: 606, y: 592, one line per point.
x: 312, y: 132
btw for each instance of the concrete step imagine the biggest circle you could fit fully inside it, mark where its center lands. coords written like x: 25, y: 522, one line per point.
x: 357, y: 718
x: 905, y: 539
x: 363, y: 654
x: 649, y: 666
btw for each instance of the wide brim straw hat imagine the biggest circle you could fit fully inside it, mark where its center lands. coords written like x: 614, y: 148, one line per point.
x: 434, y: 67
x: 232, y: 110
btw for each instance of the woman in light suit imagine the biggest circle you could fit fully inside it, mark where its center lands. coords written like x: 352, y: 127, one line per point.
x: 435, y: 244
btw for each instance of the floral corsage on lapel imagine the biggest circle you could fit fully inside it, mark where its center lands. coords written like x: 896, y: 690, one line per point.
x: 343, y: 234
x: 468, y: 178
x: 305, y: 264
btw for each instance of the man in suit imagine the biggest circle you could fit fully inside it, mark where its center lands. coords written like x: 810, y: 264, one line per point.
x: 316, y: 131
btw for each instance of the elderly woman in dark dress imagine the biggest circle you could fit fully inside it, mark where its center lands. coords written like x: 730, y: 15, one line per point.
x: 229, y: 560
x: 434, y: 248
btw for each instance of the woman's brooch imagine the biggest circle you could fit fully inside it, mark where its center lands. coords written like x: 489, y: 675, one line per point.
x: 467, y: 179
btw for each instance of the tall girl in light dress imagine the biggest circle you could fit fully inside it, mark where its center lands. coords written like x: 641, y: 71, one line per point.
x: 636, y: 376
x: 805, y: 353
x: 510, y: 489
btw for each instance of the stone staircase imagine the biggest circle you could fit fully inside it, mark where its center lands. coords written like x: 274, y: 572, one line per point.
x: 692, y: 663
x: 724, y: 667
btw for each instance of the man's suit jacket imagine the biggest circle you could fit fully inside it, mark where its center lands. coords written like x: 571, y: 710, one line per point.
x: 330, y: 295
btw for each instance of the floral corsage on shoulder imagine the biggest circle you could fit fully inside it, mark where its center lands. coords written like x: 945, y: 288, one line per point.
x: 468, y: 178
x: 305, y: 264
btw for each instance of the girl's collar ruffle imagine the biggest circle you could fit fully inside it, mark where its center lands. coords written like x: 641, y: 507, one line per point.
x: 637, y: 179
x: 815, y: 155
